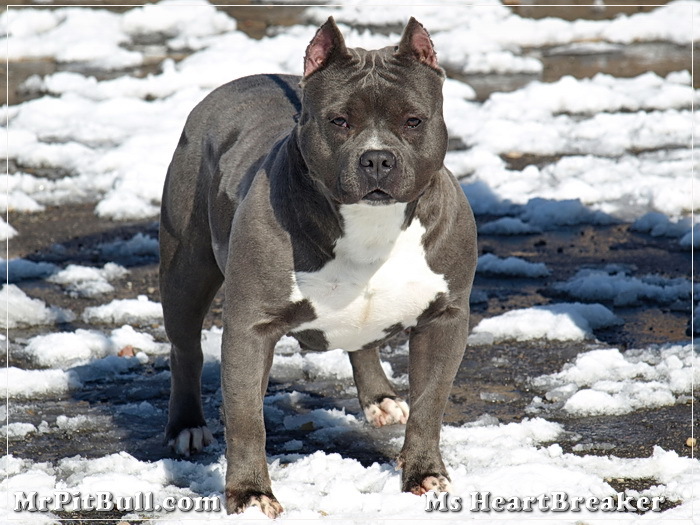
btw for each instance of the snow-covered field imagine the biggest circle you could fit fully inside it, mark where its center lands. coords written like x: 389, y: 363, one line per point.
x: 619, y: 151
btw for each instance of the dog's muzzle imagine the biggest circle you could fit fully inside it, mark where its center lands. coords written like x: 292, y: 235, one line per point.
x: 376, y: 166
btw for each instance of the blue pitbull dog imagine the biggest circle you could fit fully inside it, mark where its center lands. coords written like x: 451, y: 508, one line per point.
x: 323, y: 206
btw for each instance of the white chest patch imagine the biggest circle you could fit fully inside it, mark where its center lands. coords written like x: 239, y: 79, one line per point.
x: 378, y: 278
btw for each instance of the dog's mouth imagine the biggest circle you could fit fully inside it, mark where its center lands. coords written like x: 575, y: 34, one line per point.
x: 378, y: 197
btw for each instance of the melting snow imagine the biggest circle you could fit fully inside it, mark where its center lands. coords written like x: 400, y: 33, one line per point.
x: 608, y: 381
x: 558, y: 322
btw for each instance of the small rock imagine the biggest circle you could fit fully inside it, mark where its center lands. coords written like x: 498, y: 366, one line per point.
x: 690, y: 442
x: 308, y: 426
x: 127, y: 351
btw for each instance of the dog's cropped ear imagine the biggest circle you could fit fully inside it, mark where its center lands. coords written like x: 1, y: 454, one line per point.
x: 416, y: 42
x: 325, y: 45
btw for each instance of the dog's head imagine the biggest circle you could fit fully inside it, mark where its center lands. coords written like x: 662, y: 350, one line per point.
x: 371, y: 127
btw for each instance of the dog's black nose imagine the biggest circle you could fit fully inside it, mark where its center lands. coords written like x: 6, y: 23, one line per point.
x: 377, y: 163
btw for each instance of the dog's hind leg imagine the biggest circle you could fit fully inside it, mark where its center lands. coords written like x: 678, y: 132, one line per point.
x: 189, y: 280
x: 377, y: 397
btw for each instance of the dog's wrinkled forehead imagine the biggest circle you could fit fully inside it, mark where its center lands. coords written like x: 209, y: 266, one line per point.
x: 374, y: 65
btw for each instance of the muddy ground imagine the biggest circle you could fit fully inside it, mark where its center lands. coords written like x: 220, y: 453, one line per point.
x: 493, y: 379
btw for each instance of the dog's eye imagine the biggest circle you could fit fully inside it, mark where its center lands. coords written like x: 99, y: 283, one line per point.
x: 413, y: 123
x: 340, y: 122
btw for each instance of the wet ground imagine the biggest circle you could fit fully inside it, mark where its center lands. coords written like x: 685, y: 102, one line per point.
x: 493, y: 379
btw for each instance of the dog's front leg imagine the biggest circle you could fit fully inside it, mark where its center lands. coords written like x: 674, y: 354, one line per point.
x: 377, y: 396
x: 246, y: 358
x: 436, y: 350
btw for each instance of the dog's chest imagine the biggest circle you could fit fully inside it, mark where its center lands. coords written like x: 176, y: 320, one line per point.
x: 378, y: 279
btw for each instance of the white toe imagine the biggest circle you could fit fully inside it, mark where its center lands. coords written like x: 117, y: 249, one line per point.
x: 191, y: 440
x: 387, y: 412
x: 197, y: 438
x: 182, y: 443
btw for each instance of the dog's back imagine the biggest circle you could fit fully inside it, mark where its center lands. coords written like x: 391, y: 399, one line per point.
x: 208, y: 171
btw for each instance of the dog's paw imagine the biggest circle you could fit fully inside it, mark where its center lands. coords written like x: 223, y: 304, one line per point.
x: 387, y: 412
x: 436, y: 483
x: 191, y: 440
x: 268, y: 505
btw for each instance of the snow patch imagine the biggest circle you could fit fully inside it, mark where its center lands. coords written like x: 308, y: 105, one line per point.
x: 558, y: 322
x: 17, y: 430
x: 19, y: 310
x: 508, y: 226
x: 659, y: 225
x: 615, y: 285
x: 22, y: 269
x: 131, y: 251
x: 6, y: 231
x: 610, y: 382
x: 86, y: 281
x: 23, y: 384
x: 65, y: 349
x: 511, y: 266
x: 132, y: 311
x: 90, y: 36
